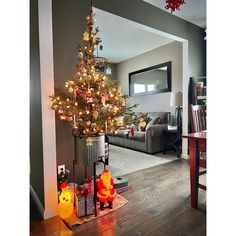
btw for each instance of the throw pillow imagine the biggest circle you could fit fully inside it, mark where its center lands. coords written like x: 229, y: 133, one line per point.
x: 153, y: 121
x: 142, y: 125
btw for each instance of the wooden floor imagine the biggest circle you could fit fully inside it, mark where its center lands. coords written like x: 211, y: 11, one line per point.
x: 159, y: 204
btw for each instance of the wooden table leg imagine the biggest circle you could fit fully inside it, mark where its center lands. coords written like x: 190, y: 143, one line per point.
x: 193, y: 172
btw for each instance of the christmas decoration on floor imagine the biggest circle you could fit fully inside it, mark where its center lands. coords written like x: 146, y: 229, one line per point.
x: 174, y: 5
x: 66, y: 206
x: 73, y: 222
x: 106, y: 191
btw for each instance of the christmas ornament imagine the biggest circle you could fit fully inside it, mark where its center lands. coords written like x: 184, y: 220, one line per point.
x: 123, y: 102
x: 88, y: 96
x: 89, y: 141
x: 174, y: 4
x: 93, y: 125
x: 80, y: 55
x: 86, y: 36
x: 96, y: 77
x: 78, y: 91
x: 88, y: 122
x: 119, y: 89
x: 71, y: 90
x: 95, y: 114
x: 103, y: 100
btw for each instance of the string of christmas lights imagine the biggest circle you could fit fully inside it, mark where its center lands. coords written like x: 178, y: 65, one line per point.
x: 91, y: 102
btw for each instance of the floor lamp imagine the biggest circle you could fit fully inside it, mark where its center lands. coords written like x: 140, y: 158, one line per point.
x: 176, y: 101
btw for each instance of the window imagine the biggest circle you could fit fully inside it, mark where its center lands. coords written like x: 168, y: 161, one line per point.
x: 139, y: 88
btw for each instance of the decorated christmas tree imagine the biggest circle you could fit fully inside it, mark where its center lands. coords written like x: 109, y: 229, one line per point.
x: 91, y: 102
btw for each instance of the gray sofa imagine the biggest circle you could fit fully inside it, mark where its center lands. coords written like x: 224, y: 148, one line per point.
x: 150, y: 141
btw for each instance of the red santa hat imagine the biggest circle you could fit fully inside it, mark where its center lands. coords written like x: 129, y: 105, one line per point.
x: 64, y: 185
x: 106, y: 171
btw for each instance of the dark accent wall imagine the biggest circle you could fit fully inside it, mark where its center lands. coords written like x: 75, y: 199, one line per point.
x: 68, y: 27
x: 36, y: 142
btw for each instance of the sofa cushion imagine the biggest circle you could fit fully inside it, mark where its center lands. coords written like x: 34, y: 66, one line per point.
x: 153, y: 121
x: 138, y: 136
x: 122, y: 133
x: 163, y: 116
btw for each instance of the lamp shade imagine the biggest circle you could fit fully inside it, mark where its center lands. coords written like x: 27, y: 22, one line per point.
x: 176, y: 99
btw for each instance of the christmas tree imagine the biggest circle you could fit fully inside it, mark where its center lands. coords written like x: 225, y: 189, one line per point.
x: 91, y: 102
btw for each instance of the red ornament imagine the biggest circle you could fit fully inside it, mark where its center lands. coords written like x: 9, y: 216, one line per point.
x: 88, y: 96
x: 78, y: 91
x: 174, y: 4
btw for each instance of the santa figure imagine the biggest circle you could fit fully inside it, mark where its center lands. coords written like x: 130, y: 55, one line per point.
x: 106, y: 191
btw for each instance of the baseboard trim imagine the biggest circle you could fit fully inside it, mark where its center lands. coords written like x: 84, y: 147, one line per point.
x: 37, y: 201
x: 185, y: 156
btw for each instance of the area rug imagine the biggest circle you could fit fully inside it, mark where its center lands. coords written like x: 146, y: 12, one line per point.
x: 123, y: 161
x: 73, y: 222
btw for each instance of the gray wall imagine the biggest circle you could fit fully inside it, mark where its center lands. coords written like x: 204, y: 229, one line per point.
x: 155, y: 102
x: 36, y: 145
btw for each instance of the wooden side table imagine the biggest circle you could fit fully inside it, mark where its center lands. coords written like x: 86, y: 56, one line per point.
x: 173, y: 140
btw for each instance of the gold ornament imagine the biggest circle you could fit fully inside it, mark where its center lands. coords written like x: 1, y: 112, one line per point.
x: 86, y: 36
x: 96, y: 77
x: 71, y: 90
x: 95, y: 114
x: 103, y: 100
x: 123, y: 102
x: 89, y: 141
x: 119, y: 89
x: 88, y: 122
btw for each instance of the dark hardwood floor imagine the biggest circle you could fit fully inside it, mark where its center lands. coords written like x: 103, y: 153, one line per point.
x: 159, y: 204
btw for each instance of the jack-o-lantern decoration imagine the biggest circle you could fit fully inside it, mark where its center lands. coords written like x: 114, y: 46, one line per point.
x: 65, y: 207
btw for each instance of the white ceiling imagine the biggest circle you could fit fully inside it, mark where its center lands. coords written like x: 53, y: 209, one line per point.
x: 193, y: 11
x: 123, y: 39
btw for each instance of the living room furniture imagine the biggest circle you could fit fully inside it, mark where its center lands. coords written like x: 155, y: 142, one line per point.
x: 176, y: 101
x: 173, y: 140
x: 197, y: 142
x: 197, y: 115
x: 152, y: 140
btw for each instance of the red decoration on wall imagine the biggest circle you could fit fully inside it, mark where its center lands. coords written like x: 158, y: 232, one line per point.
x: 174, y: 4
